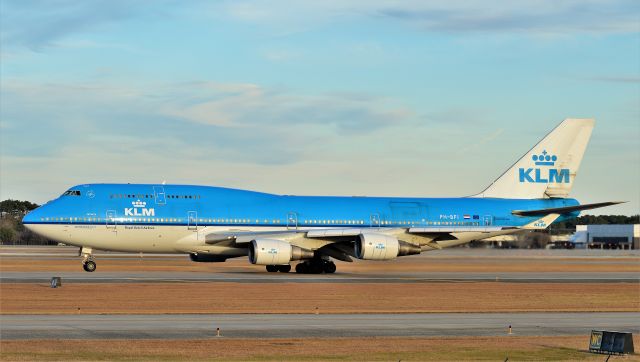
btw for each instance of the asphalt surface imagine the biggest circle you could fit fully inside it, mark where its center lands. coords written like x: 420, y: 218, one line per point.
x: 338, y: 277
x: 251, y: 275
x: 305, y: 325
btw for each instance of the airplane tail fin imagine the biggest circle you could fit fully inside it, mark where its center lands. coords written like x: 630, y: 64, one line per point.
x: 549, y: 168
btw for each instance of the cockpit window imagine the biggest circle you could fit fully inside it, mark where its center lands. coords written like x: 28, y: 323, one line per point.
x: 72, y: 193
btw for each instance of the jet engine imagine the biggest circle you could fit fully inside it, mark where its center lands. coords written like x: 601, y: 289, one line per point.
x: 275, y: 252
x: 382, y: 247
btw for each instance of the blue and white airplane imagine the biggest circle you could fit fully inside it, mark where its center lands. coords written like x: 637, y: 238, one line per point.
x: 212, y: 224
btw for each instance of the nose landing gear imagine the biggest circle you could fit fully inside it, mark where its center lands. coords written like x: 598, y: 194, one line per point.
x: 88, y: 263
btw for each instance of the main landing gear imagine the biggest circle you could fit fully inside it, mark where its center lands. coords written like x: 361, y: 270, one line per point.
x: 316, y: 266
x: 279, y: 268
x: 88, y: 263
x: 311, y: 266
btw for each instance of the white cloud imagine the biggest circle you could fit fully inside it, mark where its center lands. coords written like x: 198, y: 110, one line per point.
x: 250, y: 105
x: 530, y: 16
x: 239, y: 122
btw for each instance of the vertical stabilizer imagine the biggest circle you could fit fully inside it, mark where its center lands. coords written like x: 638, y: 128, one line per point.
x: 549, y: 168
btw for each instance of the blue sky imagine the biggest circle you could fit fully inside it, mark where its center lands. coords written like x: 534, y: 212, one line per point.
x: 411, y: 98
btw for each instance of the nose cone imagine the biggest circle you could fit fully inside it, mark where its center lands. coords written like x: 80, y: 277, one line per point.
x: 40, y: 221
x: 33, y: 217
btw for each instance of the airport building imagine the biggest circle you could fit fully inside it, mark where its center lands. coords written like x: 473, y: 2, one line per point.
x: 607, y: 236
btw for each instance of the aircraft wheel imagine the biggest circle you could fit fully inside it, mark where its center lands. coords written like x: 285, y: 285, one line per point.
x: 284, y: 268
x: 329, y: 267
x: 316, y: 268
x: 89, y: 266
x: 301, y: 268
x: 272, y: 268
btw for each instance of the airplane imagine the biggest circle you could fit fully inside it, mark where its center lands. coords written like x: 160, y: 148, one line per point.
x: 212, y: 224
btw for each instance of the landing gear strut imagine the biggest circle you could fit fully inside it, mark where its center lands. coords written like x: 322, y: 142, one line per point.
x: 88, y: 263
x: 279, y: 268
x: 316, y: 266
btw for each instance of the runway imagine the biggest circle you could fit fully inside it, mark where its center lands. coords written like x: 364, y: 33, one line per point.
x: 254, y: 277
x: 471, y: 265
x: 188, y: 326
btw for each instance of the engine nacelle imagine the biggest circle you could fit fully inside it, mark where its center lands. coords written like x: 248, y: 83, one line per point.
x: 275, y: 252
x: 207, y: 258
x: 382, y: 247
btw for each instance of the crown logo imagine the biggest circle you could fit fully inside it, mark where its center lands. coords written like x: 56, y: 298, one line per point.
x: 544, y: 159
x: 139, y: 203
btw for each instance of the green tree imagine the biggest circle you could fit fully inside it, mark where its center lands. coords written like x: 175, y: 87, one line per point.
x: 11, y: 206
x: 7, y: 235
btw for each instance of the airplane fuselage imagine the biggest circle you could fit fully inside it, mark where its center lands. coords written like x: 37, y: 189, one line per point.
x: 175, y: 218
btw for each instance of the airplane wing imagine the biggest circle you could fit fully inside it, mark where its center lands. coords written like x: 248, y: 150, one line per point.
x: 245, y: 237
x: 339, y: 243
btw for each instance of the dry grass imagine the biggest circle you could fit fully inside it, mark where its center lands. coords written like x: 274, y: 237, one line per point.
x: 565, y: 348
x: 32, y: 298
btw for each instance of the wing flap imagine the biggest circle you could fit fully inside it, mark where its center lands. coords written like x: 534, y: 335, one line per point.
x: 329, y: 233
x: 242, y: 237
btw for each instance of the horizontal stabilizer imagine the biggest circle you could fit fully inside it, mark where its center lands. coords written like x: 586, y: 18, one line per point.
x: 542, y: 223
x: 564, y: 210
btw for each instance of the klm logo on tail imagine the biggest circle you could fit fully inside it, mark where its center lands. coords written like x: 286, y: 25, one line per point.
x: 544, y: 175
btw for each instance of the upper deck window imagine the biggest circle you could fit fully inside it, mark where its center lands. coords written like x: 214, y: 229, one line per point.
x: 72, y: 193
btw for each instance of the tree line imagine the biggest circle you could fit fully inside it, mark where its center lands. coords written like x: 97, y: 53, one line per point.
x: 595, y: 220
x: 12, y: 231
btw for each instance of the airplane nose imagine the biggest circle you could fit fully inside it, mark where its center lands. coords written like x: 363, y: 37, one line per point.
x: 32, y: 217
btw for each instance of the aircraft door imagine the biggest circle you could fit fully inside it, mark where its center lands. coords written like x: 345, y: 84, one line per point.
x: 488, y: 220
x: 160, y: 195
x: 192, y: 220
x: 375, y: 220
x: 110, y: 219
x: 292, y: 221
